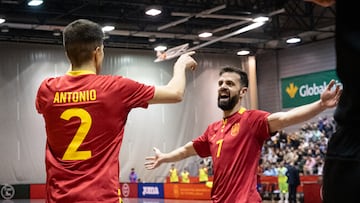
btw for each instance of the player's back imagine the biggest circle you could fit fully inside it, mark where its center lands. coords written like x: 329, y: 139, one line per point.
x: 85, y: 116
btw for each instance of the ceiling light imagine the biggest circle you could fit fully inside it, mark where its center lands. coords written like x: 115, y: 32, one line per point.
x: 57, y: 32
x: 152, y: 11
x: 160, y: 48
x: 2, y: 20
x: 35, y: 2
x: 196, y: 42
x: 293, y: 40
x: 4, y: 29
x: 261, y: 19
x: 243, y: 52
x: 205, y: 34
x: 152, y: 39
x: 108, y: 28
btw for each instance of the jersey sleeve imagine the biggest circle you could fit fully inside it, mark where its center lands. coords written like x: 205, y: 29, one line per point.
x: 258, y: 121
x: 201, y: 144
x: 138, y: 94
x: 41, y: 97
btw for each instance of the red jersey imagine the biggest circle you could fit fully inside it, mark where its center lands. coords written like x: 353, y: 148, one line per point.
x: 85, y: 115
x: 235, y: 146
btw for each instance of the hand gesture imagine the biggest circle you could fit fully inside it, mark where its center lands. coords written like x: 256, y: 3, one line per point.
x: 330, y: 98
x: 187, y: 60
x: 154, y: 161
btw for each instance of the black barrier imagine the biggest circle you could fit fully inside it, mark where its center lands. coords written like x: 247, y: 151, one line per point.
x: 8, y: 191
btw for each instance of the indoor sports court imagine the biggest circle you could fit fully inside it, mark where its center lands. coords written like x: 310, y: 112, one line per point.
x: 126, y: 200
x: 285, y: 47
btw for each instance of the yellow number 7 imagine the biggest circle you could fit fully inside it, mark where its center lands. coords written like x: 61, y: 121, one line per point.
x: 219, y: 142
x: 71, y: 152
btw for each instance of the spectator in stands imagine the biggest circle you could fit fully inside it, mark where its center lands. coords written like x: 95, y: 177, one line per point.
x: 316, y: 133
x: 321, y: 123
x: 294, y: 139
x: 289, y: 155
x: 283, y: 139
x: 309, y: 165
x: 329, y: 128
x: 270, y: 170
x: 319, y: 166
x: 259, y: 174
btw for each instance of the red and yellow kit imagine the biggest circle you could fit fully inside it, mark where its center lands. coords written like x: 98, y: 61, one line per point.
x: 85, y: 116
x: 235, y: 145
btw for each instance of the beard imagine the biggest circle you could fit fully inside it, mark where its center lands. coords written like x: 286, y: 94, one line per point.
x: 228, y: 104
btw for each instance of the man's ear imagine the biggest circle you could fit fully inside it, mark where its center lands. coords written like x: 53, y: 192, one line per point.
x: 97, y: 59
x: 243, y: 91
x: 97, y: 50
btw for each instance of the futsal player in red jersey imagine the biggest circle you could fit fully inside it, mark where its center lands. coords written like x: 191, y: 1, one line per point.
x: 235, y: 142
x: 85, y: 114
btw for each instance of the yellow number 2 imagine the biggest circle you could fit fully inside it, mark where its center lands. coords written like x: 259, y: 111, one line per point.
x: 71, y: 152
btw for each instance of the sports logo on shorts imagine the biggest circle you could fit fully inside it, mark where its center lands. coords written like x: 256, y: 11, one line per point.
x: 7, y: 191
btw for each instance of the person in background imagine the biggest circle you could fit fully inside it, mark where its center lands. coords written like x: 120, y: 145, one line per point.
x: 270, y: 170
x: 235, y: 141
x: 185, y: 176
x: 310, y: 162
x: 173, y: 174
x: 208, y: 164
x: 293, y: 180
x: 259, y: 173
x: 133, y: 176
x: 85, y: 114
x: 282, y: 182
x: 203, y: 173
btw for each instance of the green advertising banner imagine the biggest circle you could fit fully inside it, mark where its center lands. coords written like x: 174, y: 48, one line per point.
x: 304, y: 89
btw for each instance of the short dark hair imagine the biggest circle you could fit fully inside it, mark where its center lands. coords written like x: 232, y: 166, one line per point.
x: 244, y: 81
x: 80, y: 39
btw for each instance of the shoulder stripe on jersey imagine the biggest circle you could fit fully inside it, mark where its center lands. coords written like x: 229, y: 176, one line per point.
x: 242, y: 110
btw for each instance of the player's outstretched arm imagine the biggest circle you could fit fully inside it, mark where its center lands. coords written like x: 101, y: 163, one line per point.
x: 176, y: 155
x: 328, y: 99
x: 174, y: 91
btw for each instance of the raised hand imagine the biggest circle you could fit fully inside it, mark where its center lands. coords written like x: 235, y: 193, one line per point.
x: 187, y: 60
x: 330, y: 98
